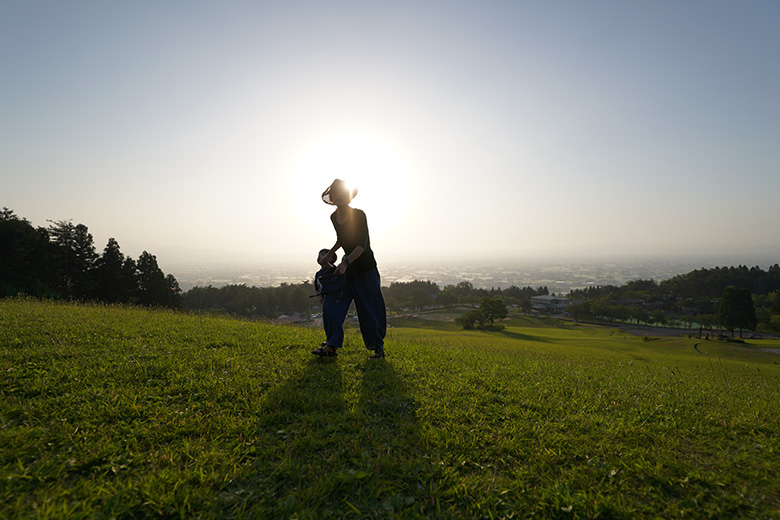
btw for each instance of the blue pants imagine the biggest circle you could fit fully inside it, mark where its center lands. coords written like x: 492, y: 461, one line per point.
x: 365, y: 289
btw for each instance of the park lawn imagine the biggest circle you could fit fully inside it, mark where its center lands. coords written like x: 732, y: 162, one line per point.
x: 123, y: 412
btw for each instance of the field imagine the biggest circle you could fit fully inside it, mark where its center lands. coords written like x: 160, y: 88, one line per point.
x: 120, y: 412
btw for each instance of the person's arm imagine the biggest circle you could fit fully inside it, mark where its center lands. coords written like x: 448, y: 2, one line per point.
x: 348, y: 260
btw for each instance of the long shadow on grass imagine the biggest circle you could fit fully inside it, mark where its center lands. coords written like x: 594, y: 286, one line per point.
x: 332, y: 438
x: 385, y: 407
x: 524, y: 337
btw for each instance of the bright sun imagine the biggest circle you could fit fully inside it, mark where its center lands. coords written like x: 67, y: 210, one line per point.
x: 372, y: 166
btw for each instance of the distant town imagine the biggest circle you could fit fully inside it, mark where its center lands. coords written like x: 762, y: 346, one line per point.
x: 559, y: 276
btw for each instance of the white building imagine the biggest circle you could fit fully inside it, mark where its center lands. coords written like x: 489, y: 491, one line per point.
x: 550, y: 303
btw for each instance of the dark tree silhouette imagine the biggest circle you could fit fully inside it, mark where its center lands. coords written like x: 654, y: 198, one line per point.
x: 736, y: 310
x: 60, y: 262
x: 115, y: 275
x: 74, y: 256
x: 24, y: 257
x: 153, y: 289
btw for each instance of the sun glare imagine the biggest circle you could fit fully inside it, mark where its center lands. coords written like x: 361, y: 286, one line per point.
x: 366, y: 163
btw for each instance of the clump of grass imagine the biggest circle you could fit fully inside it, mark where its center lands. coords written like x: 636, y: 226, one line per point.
x: 121, y: 412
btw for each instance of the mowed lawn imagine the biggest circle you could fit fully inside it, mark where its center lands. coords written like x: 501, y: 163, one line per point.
x: 129, y: 413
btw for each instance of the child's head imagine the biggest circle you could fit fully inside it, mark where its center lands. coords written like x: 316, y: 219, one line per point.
x: 323, y: 257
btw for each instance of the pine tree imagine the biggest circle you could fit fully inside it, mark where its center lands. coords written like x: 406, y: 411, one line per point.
x: 74, y: 258
x: 115, y: 278
x: 154, y: 288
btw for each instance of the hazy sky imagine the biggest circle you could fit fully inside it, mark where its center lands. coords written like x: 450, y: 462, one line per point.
x: 206, y: 131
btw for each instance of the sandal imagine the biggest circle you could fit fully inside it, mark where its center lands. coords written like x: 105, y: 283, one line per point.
x: 325, y: 351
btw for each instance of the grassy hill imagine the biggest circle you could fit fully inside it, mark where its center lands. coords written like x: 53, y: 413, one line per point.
x: 122, y: 412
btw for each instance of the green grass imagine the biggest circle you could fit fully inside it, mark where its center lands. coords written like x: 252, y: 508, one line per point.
x: 120, y: 412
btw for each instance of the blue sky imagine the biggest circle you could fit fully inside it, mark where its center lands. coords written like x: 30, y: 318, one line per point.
x: 205, y: 132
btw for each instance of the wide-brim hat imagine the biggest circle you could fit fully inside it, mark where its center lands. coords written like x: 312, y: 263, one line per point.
x: 335, y: 186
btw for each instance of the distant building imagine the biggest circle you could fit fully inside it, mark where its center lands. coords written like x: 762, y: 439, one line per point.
x: 550, y: 303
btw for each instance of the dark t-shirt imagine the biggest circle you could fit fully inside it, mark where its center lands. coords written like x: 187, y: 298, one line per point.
x: 353, y: 233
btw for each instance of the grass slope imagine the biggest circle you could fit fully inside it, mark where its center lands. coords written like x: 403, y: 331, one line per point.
x: 117, y: 412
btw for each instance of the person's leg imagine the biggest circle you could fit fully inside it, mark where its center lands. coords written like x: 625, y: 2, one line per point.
x: 370, y: 306
x: 334, y: 311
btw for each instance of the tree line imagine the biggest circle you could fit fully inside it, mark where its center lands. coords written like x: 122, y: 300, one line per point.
x: 253, y: 302
x: 270, y: 302
x: 418, y: 294
x: 737, y: 298
x: 60, y: 262
x: 698, y: 285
